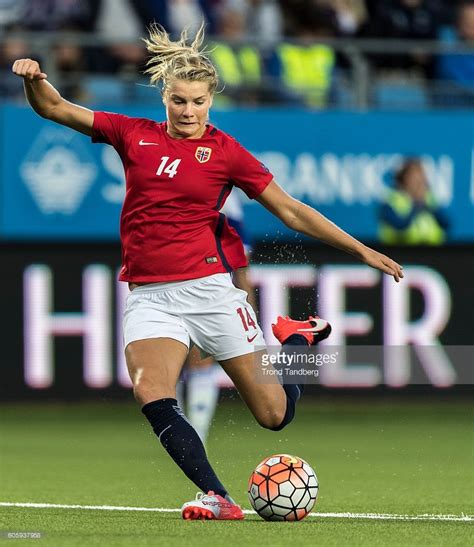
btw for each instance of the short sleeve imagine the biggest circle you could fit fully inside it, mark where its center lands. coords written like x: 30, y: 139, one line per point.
x: 110, y: 128
x: 246, y: 172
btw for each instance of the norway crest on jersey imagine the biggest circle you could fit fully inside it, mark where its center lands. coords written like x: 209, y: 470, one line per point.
x: 203, y: 154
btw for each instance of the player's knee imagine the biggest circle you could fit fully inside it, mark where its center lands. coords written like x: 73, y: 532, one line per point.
x: 272, y: 419
x: 141, y: 391
x: 146, y: 390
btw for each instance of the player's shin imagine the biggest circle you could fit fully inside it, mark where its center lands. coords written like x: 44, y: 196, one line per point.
x: 182, y: 443
x: 293, y: 391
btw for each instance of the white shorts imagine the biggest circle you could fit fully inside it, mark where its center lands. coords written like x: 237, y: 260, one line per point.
x: 210, y: 312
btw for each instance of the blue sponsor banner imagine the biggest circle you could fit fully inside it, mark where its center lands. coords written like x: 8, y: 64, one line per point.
x: 57, y: 185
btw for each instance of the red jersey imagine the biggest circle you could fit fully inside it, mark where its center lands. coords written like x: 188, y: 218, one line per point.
x: 170, y: 227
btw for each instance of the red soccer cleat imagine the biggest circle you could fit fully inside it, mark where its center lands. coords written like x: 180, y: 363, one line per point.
x: 314, y: 329
x: 211, y: 506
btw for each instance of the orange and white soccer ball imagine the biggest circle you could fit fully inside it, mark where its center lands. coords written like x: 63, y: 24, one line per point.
x: 283, y: 487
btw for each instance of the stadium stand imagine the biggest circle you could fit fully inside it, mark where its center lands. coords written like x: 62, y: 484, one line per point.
x: 386, y: 55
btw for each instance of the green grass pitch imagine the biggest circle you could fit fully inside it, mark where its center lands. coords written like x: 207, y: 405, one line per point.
x: 394, y: 457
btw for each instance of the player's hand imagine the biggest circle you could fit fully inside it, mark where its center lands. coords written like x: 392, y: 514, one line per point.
x: 383, y: 263
x: 28, y: 69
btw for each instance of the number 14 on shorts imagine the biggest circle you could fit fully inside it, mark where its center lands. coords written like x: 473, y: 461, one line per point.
x: 246, y: 318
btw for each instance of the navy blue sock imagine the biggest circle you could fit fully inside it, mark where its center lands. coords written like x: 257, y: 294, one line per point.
x: 293, y: 391
x: 182, y: 443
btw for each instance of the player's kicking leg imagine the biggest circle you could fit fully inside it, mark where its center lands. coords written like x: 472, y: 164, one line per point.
x: 272, y: 404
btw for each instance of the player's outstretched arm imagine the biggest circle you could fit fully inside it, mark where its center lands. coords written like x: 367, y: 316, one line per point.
x: 46, y: 100
x: 308, y: 221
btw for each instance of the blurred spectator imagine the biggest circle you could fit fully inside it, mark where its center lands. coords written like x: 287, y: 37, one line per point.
x: 264, y: 20
x: 185, y: 14
x: 59, y: 14
x: 11, y: 12
x: 125, y: 53
x: 410, y: 215
x: 49, y: 14
x: 11, y: 48
x: 239, y: 64
x: 458, y: 69
x: 174, y: 15
x: 411, y: 19
x: 304, y: 67
x: 118, y: 19
x: 350, y: 14
x: 71, y: 67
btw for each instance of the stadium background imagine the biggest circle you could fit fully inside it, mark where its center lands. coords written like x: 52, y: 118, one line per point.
x: 385, y: 89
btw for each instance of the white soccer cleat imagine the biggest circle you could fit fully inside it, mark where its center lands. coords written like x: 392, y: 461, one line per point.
x: 211, y: 506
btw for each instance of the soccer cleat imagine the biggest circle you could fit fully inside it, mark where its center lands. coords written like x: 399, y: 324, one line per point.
x: 211, y: 506
x: 314, y: 329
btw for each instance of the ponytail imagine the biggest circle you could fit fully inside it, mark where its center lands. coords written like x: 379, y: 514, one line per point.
x: 178, y: 60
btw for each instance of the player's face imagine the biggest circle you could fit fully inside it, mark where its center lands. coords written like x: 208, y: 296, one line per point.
x: 187, y: 108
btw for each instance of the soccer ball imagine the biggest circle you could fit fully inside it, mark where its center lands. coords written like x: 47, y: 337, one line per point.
x: 283, y: 487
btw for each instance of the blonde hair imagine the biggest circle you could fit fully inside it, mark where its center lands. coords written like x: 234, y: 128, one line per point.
x: 178, y: 60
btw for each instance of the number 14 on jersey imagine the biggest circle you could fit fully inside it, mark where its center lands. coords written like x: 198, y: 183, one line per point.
x: 169, y: 168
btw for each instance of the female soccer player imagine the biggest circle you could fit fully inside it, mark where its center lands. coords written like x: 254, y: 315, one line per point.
x: 178, y: 251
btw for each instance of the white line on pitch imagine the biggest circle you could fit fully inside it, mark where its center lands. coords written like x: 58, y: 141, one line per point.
x: 373, y: 516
